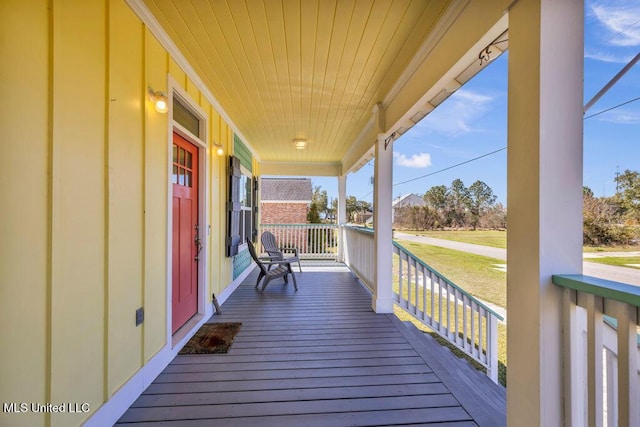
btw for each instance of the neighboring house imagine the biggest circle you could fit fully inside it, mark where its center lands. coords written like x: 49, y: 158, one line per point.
x: 284, y: 200
x: 363, y: 217
x: 408, y: 200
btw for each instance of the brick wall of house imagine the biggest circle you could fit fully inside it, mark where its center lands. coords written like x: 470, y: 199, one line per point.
x: 283, y: 213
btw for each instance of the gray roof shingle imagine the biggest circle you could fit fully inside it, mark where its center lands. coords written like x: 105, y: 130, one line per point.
x: 290, y: 189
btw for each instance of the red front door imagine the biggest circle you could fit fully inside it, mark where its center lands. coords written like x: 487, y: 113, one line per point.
x: 186, y: 243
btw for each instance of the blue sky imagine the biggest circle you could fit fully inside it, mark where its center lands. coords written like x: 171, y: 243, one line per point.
x: 473, y: 121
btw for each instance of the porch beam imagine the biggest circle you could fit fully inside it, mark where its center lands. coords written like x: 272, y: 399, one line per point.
x: 301, y: 168
x: 545, y: 198
x: 383, y: 236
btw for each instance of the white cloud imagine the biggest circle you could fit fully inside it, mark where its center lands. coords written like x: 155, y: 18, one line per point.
x: 607, y: 57
x: 620, y: 117
x: 456, y: 115
x: 622, y: 20
x: 421, y: 160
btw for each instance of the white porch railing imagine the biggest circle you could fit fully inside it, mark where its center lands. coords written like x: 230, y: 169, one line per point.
x: 430, y: 297
x: 314, y: 241
x: 447, y: 309
x: 359, y: 253
x: 601, y: 350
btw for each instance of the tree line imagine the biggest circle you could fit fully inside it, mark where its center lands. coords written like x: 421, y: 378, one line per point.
x: 616, y: 219
x: 323, y: 210
x: 456, y: 206
x: 452, y: 207
x: 607, y: 220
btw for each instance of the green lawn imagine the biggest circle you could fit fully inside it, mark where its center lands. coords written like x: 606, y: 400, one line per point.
x: 617, y: 261
x: 498, y: 239
x: 473, y: 273
x: 493, y: 238
x: 611, y: 248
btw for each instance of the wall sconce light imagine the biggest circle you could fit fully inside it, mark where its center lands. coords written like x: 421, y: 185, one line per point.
x: 300, y: 143
x: 219, y: 149
x: 159, y: 100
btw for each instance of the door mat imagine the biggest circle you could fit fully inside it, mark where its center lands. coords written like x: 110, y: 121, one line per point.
x: 212, y: 338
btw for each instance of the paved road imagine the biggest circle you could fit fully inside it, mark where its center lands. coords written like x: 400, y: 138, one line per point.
x: 618, y: 274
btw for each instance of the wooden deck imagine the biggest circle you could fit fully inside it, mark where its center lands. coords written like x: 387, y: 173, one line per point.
x: 318, y: 357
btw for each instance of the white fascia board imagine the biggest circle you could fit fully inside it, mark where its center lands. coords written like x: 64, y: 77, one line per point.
x: 306, y: 202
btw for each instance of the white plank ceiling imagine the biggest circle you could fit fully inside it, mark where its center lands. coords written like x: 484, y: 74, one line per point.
x: 285, y: 69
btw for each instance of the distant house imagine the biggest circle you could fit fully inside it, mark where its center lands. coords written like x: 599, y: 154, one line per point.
x: 285, y: 200
x: 408, y: 200
x: 364, y: 217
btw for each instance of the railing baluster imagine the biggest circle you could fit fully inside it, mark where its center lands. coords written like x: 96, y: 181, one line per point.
x: 594, y: 358
x: 419, y: 285
x: 447, y: 299
x: 316, y: 233
x: 465, y: 321
x: 408, y: 269
x: 572, y: 409
x: 424, y: 294
x: 456, y: 335
x: 409, y: 290
x: 400, y: 270
x: 302, y: 240
x: 433, y: 297
x: 492, y: 348
x: 416, y: 294
x: 628, y: 387
x: 611, y: 370
x: 473, y: 331
x: 440, y: 327
x: 416, y: 291
x: 480, y: 340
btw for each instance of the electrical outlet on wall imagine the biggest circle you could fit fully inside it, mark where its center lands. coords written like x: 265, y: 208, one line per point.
x: 139, y: 316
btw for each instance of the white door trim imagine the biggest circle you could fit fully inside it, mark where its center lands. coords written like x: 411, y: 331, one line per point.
x: 200, y: 141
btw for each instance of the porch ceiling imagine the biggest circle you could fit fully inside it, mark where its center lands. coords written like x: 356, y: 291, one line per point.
x: 288, y: 69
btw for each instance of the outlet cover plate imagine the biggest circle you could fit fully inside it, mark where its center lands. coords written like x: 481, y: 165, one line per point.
x: 139, y: 316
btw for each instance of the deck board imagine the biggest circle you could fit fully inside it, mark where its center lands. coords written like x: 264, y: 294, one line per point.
x: 315, y: 357
x: 424, y: 417
x: 297, y: 364
x: 225, y: 358
x: 300, y: 394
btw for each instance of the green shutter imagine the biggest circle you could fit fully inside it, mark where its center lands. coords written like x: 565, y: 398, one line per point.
x: 233, y: 208
x: 242, y: 152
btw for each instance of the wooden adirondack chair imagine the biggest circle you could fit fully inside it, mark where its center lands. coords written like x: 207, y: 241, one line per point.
x: 276, y: 253
x: 282, y: 268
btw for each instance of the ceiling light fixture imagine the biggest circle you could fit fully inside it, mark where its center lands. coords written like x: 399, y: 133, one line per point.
x: 159, y: 100
x: 300, y: 143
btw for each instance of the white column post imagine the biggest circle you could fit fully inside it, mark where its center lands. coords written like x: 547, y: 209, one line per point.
x: 383, y: 235
x: 545, y: 92
x: 341, y: 214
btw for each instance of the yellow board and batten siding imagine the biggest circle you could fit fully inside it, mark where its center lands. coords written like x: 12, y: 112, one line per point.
x: 78, y: 246
x: 126, y: 199
x: 155, y: 201
x: 84, y: 193
x: 24, y: 206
